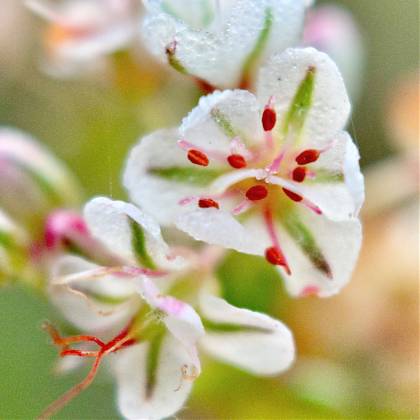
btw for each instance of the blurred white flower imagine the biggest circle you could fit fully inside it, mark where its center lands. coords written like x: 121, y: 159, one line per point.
x: 271, y: 175
x: 155, y: 372
x: 82, y: 32
x: 333, y: 30
x: 220, y: 42
x: 32, y: 181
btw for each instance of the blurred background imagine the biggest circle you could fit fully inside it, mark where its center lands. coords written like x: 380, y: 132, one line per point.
x: 358, y: 353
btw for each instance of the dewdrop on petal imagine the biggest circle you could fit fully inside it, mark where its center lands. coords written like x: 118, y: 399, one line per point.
x: 220, y: 43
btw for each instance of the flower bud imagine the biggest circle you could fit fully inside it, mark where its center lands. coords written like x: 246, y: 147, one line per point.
x: 32, y: 181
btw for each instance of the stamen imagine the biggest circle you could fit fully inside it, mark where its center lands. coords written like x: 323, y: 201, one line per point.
x: 120, y: 341
x: 293, y: 196
x: 197, y: 157
x: 274, y: 255
x: 206, y: 203
x: 299, y: 199
x: 308, y: 156
x: 236, y: 161
x: 299, y: 174
x: 269, y: 119
x: 256, y: 193
x: 275, y: 164
x: 242, y: 207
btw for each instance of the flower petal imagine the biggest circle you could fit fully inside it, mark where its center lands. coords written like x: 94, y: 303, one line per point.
x: 219, y: 227
x: 321, y: 253
x: 27, y: 169
x: 227, y: 41
x: 171, y: 387
x: 250, y: 340
x: 129, y: 232
x: 90, y: 298
x: 180, y: 318
x: 309, y: 93
x: 158, y: 175
x: 220, y: 117
x: 337, y: 187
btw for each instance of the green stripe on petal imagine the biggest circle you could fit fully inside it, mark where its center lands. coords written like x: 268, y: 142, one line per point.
x: 197, y: 176
x: 230, y: 328
x: 138, y: 243
x: 302, y: 101
x: 304, y: 238
x: 173, y: 61
x: 42, y: 183
x: 323, y: 176
x: 255, y: 54
x: 152, y: 361
x: 223, y: 122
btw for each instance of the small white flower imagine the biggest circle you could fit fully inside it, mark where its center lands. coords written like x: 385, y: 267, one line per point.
x: 271, y: 175
x: 81, y: 32
x: 155, y: 374
x: 333, y: 30
x: 32, y: 181
x: 221, y: 42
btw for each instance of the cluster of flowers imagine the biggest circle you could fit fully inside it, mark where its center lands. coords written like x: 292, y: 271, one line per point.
x: 271, y: 174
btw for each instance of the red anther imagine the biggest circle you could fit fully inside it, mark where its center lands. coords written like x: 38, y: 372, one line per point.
x: 299, y: 174
x: 206, y: 203
x: 236, y: 161
x: 269, y: 118
x: 308, y: 156
x: 293, y: 196
x: 197, y: 157
x: 257, y: 192
x: 274, y: 256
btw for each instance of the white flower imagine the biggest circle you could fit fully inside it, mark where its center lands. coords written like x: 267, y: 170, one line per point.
x: 155, y: 374
x: 81, y: 32
x: 333, y: 30
x: 220, y: 42
x: 30, y: 174
x: 271, y: 175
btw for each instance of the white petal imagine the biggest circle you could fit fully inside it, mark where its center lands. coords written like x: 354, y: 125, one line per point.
x: 171, y: 389
x: 330, y: 106
x: 219, y: 227
x: 339, y: 244
x: 265, y: 347
x: 353, y: 176
x: 109, y: 221
x: 180, y: 318
x: 217, y: 50
x: 338, y: 200
x: 220, y: 117
x: 29, y: 170
x: 76, y: 289
x: 155, y: 194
